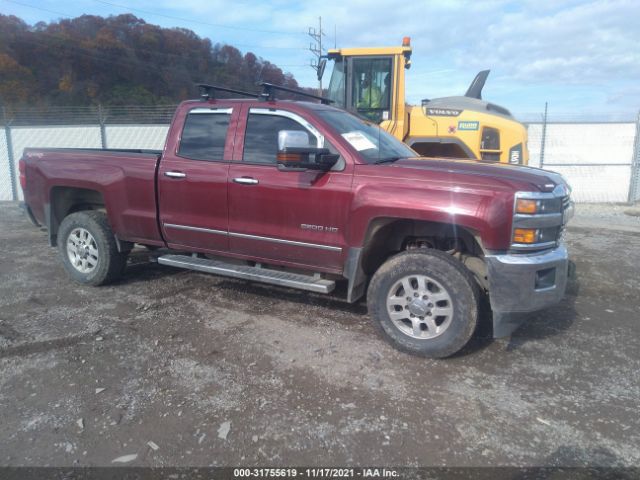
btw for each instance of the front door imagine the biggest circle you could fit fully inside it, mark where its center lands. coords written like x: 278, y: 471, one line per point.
x: 286, y: 216
x: 192, y: 182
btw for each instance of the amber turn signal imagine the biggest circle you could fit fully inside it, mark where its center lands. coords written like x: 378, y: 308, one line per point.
x: 524, y: 235
x: 526, y: 206
x: 288, y: 157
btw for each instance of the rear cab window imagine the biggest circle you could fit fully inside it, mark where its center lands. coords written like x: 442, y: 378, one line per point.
x: 204, y: 134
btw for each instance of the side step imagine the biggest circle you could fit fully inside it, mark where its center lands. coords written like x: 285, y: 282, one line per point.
x: 245, y: 272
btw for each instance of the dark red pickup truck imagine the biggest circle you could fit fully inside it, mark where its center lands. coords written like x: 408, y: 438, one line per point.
x: 303, y: 195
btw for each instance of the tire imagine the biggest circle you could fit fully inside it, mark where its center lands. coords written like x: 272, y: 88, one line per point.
x: 88, y: 248
x: 424, y: 303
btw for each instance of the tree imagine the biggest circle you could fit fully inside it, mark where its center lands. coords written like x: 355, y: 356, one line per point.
x: 118, y: 60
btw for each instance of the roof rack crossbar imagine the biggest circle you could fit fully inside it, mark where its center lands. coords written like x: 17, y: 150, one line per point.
x: 268, y: 93
x: 207, y: 92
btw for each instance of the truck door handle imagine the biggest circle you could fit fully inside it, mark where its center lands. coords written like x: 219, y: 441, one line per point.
x: 175, y: 174
x: 246, y: 180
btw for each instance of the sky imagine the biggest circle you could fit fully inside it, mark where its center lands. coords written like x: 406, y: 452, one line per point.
x: 582, y: 57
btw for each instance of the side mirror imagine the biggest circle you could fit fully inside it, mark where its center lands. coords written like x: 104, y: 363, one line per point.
x: 295, y: 153
x: 321, y: 66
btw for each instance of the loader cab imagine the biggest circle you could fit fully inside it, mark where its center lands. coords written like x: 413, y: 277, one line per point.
x: 370, y: 82
x: 363, y: 85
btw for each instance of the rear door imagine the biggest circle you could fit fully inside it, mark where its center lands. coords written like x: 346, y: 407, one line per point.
x: 286, y: 216
x: 192, y: 181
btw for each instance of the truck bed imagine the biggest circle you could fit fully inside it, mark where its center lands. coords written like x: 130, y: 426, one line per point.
x: 125, y: 178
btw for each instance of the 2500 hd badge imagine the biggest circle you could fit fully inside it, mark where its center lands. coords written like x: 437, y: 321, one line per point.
x: 318, y: 228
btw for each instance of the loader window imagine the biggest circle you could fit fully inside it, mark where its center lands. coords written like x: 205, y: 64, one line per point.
x: 336, y: 84
x: 371, y: 87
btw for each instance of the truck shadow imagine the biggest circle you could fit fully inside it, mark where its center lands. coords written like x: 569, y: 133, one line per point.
x: 538, y: 325
x: 551, y: 321
x: 336, y: 300
x: 569, y: 461
x: 546, y: 323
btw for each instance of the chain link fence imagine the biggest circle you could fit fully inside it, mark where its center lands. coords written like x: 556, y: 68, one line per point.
x: 596, y: 158
x: 600, y: 157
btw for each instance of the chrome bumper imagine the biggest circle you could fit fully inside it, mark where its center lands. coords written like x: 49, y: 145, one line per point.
x: 524, y: 283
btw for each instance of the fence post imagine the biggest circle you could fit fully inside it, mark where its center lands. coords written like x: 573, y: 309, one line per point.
x: 634, y: 185
x: 12, y: 167
x: 103, y: 128
x: 543, y: 140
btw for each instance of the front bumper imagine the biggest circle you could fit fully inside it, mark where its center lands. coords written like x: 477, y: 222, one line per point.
x: 524, y: 283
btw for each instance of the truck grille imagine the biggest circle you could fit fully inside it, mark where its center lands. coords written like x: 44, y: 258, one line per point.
x: 567, y: 213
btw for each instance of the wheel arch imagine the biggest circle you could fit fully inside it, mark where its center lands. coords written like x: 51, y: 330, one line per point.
x: 64, y: 200
x: 386, y: 236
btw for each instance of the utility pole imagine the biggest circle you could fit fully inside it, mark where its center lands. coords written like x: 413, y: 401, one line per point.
x: 316, y: 49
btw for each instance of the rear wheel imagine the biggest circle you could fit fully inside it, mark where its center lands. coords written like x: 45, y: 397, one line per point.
x: 425, y: 303
x: 88, y: 248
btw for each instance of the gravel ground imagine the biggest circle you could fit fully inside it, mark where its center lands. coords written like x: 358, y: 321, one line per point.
x: 617, y: 216
x: 177, y: 368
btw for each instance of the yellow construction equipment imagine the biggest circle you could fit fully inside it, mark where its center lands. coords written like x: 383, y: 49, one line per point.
x: 371, y: 83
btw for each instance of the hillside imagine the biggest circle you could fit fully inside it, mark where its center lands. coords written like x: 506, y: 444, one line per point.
x: 118, y: 60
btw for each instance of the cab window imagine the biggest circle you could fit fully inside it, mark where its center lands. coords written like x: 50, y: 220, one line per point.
x: 261, y: 137
x: 371, y: 87
x: 204, y: 134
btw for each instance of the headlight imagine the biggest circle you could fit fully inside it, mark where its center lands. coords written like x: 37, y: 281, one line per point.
x: 526, y: 206
x: 538, y: 219
x: 534, y: 206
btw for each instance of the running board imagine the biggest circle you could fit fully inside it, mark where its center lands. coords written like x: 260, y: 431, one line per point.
x: 245, y: 272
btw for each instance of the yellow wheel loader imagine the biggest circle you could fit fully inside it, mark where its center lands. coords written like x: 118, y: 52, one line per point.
x: 370, y: 82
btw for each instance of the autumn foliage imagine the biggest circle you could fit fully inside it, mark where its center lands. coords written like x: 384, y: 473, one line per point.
x: 119, y: 60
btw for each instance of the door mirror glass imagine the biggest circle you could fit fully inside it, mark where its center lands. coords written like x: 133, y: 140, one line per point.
x: 292, y: 139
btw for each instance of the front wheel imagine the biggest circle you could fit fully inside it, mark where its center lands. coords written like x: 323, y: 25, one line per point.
x: 424, y: 303
x: 88, y: 248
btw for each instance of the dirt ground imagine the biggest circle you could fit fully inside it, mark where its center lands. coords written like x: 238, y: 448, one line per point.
x: 214, y: 371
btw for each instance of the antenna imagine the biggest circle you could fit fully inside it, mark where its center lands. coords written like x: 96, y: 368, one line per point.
x: 207, y: 92
x: 269, y: 95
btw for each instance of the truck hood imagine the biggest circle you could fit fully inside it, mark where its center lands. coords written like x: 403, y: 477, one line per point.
x: 543, y: 180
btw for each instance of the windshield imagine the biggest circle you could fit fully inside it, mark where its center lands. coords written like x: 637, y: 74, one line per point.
x: 373, y: 143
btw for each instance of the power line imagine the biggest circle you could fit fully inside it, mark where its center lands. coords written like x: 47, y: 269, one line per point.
x: 248, y: 29
x: 123, y: 62
x: 134, y: 50
x: 268, y: 47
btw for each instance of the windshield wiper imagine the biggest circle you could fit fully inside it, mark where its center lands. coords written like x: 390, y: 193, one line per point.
x: 387, y: 160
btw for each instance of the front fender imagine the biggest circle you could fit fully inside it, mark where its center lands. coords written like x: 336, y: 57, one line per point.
x: 480, y: 212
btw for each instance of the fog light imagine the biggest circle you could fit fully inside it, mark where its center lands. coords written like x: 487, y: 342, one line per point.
x: 545, y: 278
x: 525, y: 235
